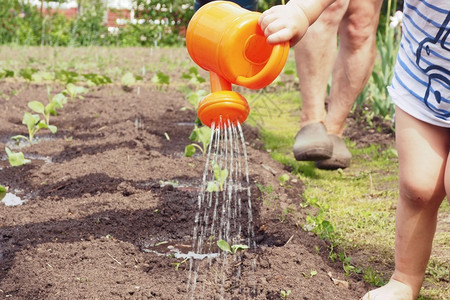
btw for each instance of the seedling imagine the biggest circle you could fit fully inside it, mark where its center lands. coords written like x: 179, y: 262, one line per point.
x: 74, y: 91
x: 34, y: 122
x: 128, y: 80
x: 224, y: 246
x: 285, y: 294
x: 95, y: 79
x: 220, y: 176
x: 16, y: 159
x: 178, y: 264
x: 3, y: 192
x: 311, y: 274
x: 200, y: 135
x: 193, y: 76
x: 283, y: 179
x: 6, y: 73
x: 161, y: 78
x: 195, y: 97
x: 27, y: 73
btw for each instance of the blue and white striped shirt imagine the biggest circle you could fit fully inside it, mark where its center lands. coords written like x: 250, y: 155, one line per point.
x: 421, y: 82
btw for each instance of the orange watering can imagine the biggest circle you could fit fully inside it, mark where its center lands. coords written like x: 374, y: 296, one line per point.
x: 226, y: 40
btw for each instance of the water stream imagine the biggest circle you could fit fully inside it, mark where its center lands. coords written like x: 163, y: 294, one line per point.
x: 224, y: 201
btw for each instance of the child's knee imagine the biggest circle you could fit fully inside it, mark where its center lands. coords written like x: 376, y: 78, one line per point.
x: 421, y: 194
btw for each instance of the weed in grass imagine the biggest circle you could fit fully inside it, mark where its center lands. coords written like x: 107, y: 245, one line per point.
x: 373, y: 277
x: 269, y: 198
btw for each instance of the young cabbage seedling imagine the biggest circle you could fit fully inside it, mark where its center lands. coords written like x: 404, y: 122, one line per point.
x: 3, y: 192
x: 178, y: 264
x: 224, y: 246
x: 161, y: 78
x: 16, y: 159
x: 74, y: 91
x: 285, y: 294
x: 35, y: 123
x: 200, y: 135
x: 220, y: 176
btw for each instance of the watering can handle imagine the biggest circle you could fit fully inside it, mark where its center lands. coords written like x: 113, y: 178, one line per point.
x: 276, y: 62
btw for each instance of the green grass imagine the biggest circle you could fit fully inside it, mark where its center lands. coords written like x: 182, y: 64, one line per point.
x: 359, y: 202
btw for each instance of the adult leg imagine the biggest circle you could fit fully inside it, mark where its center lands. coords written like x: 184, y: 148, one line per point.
x: 354, y: 62
x: 423, y: 153
x: 352, y: 70
x: 315, y: 55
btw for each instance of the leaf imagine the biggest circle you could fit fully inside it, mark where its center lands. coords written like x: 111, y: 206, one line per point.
x: 161, y: 78
x: 220, y: 175
x: 213, y: 186
x: 2, y: 192
x: 283, y: 179
x: 238, y: 247
x: 36, y: 106
x: 31, y: 120
x: 52, y: 128
x: 224, y: 246
x: 16, y: 159
x: 59, y: 100
x: 189, y: 150
x: 128, y: 79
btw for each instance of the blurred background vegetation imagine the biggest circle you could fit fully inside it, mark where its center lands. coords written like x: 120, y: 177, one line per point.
x: 157, y: 23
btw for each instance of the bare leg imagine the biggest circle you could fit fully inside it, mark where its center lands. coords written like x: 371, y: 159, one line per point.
x: 424, y: 168
x: 354, y: 62
x: 315, y: 55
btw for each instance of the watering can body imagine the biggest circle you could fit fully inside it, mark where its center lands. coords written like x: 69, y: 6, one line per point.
x: 226, y: 40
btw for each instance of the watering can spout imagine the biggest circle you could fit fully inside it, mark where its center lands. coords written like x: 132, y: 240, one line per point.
x: 226, y: 40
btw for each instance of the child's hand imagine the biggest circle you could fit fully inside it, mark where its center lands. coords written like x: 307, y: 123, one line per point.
x: 284, y: 23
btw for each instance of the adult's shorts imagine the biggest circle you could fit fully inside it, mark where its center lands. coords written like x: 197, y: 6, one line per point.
x: 248, y: 4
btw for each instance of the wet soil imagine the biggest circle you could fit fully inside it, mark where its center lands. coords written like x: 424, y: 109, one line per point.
x: 112, y: 187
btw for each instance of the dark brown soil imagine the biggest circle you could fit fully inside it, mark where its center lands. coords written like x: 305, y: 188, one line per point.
x: 98, y: 203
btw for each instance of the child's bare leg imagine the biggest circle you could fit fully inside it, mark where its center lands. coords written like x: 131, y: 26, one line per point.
x: 423, y: 151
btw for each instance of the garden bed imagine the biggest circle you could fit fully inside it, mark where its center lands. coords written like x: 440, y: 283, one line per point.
x: 112, y: 187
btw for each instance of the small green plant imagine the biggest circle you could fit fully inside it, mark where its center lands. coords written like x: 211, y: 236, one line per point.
x: 73, y: 91
x: 34, y: 122
x: 4, y: 73
x: 311, y: 274
x: 16, y: 159
x: 194, y: 97
x: 285, y: 294
x: 160, y: 79
x: 178, y: 264
x: 193, y: 76
x: 349, y: 269
x: 66, y: 77
x: 3, y: 191
x: 200, y: 135
x: 220, y: 176
x: 224, y: 246
x: 128, y: 80
x: 284, y: 179
x: 95, y: 79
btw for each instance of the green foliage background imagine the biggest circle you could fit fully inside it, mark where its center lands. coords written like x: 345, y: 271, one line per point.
x: 165, y: 21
